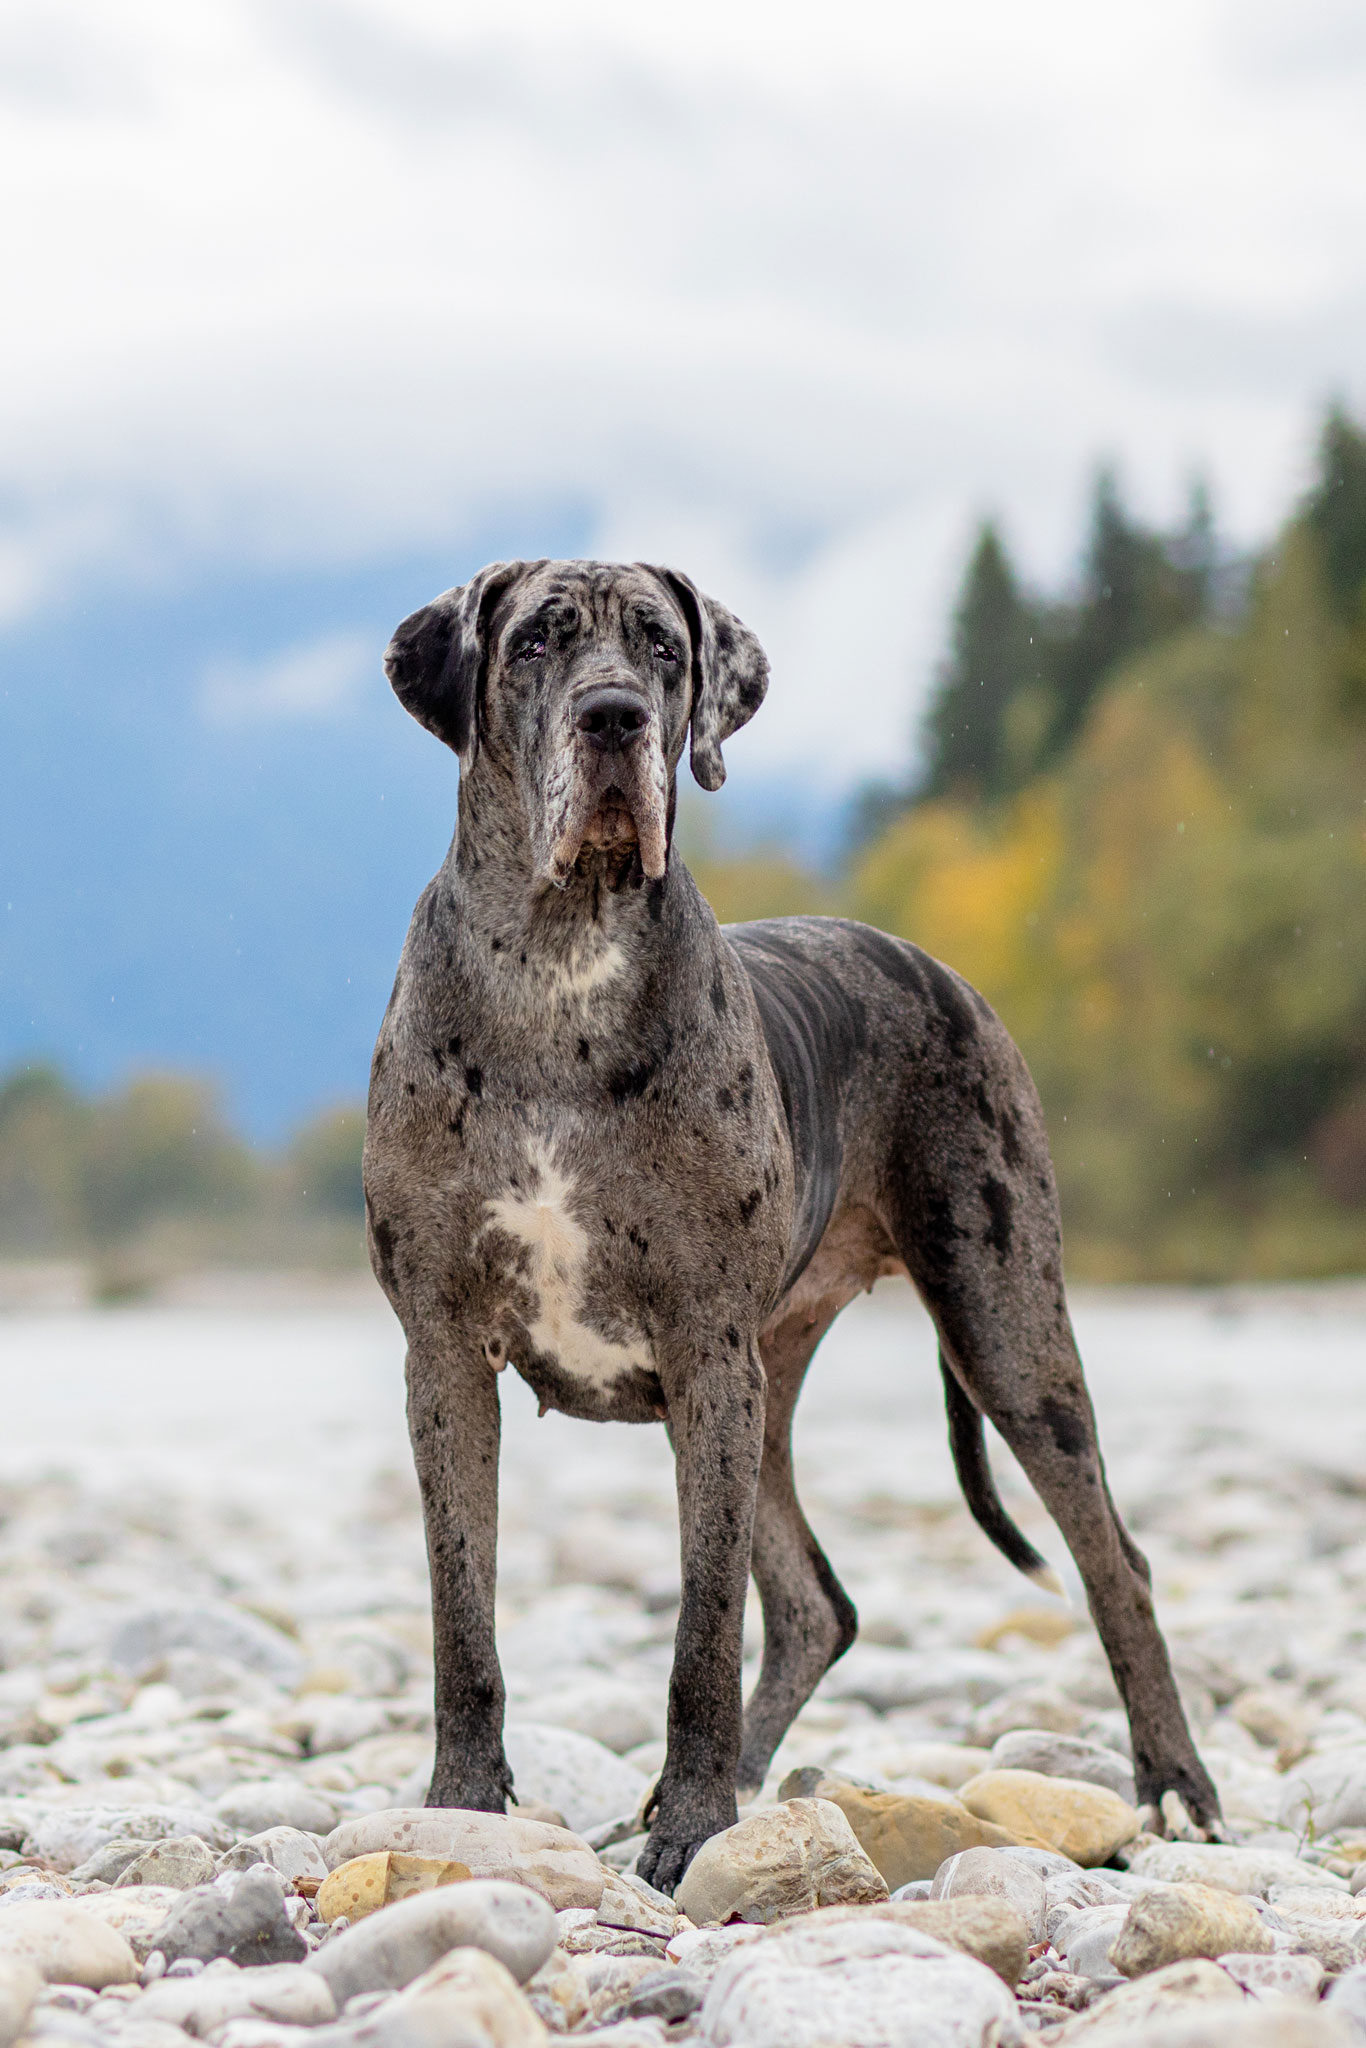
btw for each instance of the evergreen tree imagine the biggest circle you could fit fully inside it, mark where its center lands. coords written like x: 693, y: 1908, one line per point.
x: 1138, y: 587
x: 1336, y: 511
x: 991, y: 659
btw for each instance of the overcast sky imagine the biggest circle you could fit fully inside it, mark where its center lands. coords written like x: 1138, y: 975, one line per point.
x: 785, y: 295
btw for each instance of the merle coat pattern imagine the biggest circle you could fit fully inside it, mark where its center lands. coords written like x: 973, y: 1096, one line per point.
x: 646, y: 1162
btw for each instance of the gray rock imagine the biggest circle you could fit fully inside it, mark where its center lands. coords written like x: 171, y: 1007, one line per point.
x: 288, y: 1850
x: 991, y: 1873
x: 390, y: 1948
x: 108, y: 1864
x: 242, y: 1916
x: 1065, y: 1756
x: 67, y: 1836
x: 283, y: 1991
x: 282, y: 1802
x: 1084, y: 1939
x: 805, y: 1985
x: 885, y: 1678
x: 580, y: 1778
x: 181, y: 1861
x: 668, y: 1995
x: 142, y: 1640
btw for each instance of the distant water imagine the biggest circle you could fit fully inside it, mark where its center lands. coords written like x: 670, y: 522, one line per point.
x: 242, y: 1394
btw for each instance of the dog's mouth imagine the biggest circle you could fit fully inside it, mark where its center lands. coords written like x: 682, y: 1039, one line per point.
x: 612, y: 819
x: 612, y: 827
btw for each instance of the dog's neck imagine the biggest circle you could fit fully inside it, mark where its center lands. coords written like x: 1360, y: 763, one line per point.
x: 508, y: 910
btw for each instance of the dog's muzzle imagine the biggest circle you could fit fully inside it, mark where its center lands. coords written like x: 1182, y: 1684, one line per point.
x: 612, y: 799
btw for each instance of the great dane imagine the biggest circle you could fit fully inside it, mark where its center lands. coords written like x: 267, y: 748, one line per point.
x: 646, y: 1161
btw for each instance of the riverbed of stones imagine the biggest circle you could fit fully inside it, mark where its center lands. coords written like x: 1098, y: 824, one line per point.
x: 216, y: 1730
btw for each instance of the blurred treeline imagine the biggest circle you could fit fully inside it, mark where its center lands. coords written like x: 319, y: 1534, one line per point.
x: 1140, y: 829
x: 149, y: 1179
x: 1139, y: 826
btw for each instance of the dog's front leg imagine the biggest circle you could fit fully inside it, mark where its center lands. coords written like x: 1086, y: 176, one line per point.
x: 716, y: 1420
x: 453, y: 1420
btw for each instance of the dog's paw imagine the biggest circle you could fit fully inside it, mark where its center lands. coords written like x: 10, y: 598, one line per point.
x: 1172, y: 1819
x: 664, y: 1859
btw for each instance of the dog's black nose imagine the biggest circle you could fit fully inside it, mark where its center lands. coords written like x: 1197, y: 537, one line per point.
x: 612, y: 719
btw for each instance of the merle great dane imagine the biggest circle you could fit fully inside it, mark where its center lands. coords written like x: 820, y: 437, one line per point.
x: 646, y: 1161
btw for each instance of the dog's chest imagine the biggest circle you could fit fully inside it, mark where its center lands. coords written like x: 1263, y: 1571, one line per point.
x: 548, y: 1245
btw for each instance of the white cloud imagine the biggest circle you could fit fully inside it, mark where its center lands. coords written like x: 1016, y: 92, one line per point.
x: 313, y: 681
x: 306, y: 280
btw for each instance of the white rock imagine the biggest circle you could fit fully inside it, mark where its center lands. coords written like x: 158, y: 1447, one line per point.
x: 991, y: 1873
x: 390, y: 1948
x: 66, y: 1945
x: 266, y: 1803
x: 1327, y: 1791
x: 1230, y: 1869
x: 614, y: 1712
x: 281, y: 1991
x: 1277, y: 1976
x: 578, y: 1777
x: 554, y: 1862
x: 877, y: 1984
x: 289, y: 1850
x: 20, y: 1985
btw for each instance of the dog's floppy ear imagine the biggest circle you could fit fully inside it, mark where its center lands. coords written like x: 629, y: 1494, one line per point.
x: 437, y: 658
x: 729, y: 674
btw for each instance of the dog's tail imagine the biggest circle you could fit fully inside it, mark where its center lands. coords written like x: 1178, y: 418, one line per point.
x: 968, y: 1444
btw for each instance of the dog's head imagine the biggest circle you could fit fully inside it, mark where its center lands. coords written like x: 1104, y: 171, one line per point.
x: 582, y: 679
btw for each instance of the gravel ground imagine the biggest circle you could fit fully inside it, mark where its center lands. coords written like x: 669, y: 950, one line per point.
x: 240, y: 1451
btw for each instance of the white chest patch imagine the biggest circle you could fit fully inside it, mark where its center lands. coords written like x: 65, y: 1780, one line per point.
x: 578, y: 976
x: 542, y: 1219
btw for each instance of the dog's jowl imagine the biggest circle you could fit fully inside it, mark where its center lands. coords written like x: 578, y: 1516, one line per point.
x: 646, y: 1162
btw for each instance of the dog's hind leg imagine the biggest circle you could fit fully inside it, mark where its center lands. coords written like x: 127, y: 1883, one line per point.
x: 809, y: 1619
x: 976, y: 1219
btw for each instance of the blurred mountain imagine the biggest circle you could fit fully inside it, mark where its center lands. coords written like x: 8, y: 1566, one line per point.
x: 214, y: 821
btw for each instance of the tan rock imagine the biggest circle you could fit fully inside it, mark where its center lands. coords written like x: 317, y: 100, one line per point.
x: 368, y: 1882
x: 1084, y: 1822
x: 1045, y: 1625
x: 1152, y: 2008
x: 1188, y: 1920
x: 135, y: 1914
x: 909, y: 1837
x: 552, y: 1861
x: 781, y: 1860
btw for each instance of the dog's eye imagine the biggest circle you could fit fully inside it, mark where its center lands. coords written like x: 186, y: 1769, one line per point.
x: 664, y: 652
x: 531, y: 650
